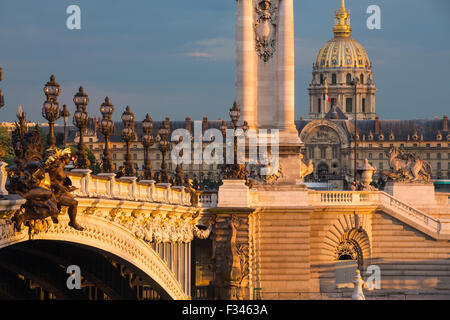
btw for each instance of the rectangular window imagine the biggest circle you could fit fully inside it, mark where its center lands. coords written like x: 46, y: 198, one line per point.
x: 439, y: 156
x: 323, y: 153
x: 370, y: 155
x: 381, y: 166
x: 319, y: 105
x: 363, y: 104
x: 348, y: 105
x: 333, y: 101
x: 439, y: 166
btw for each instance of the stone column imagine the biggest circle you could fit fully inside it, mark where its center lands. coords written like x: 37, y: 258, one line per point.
x: 286, y: 67
x: 246, y: 62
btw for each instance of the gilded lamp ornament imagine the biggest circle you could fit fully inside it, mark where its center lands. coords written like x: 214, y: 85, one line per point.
x: 236, y: 170
x: 2, y: 98
x: 128, y: 134
x: 80, y: 120
x: 147, y: 142
x: 164, y: 146
x: 50, y: 108
x: 65, y: 114
x: 107, y: 127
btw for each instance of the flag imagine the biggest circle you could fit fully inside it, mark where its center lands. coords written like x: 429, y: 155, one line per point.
x: 326, y: 97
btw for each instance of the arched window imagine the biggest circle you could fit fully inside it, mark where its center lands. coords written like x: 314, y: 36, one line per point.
x: 321, y: 79
x: 333, y: 78
x: 349, y: 79
x: 361, y: 78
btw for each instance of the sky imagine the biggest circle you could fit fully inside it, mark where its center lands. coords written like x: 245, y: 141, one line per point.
x: 176, y: 57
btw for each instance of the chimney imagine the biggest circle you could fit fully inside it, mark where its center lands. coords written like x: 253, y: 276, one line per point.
x: 377, y: 125
x: 445, y: 123
x: 187, y: 124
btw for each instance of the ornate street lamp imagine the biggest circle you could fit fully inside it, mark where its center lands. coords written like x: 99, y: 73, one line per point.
x: 355, y: 151
x: 106, y: 127
x: 164, y: 146
x: 50, y: 109
x: 147, y: 141
x: 65, y: 114
x: 80, y: 120
x: 2, y: 103
x: 128, y: 135
x: 235, y: 170
x: 2, y: 98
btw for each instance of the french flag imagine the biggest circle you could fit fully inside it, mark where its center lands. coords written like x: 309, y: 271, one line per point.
x: 326, y: 97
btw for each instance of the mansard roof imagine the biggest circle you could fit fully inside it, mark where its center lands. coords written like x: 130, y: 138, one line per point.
x: 401, y: 129
x: 425, y: 129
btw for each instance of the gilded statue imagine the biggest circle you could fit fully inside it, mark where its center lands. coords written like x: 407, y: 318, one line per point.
x: 41, y: 181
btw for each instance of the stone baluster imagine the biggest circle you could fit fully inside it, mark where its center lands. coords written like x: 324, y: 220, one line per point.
x: 110, y: 183
x: 131, y: 187
x: 84, y: 184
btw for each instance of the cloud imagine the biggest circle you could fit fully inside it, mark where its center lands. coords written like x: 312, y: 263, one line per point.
x: 221, y: 49
x: 200, y: 54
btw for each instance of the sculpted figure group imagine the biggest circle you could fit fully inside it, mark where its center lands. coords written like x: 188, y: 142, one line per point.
x: 40, y: 178
x: 407, y: 167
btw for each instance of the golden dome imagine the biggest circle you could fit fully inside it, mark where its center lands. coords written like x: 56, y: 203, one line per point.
x: 342, y: 51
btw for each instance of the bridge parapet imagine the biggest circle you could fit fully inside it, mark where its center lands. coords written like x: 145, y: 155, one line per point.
x: 106, y: 186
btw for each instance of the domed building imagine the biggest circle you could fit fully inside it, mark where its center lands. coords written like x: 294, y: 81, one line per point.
x: 342, y: 75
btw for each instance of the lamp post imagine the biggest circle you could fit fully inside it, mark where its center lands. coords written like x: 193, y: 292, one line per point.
x: 65, y: 114
x: 355, y: 151
x: 80, y: 120
x: 236, y: 170
x: 128, y: 135
x: 2, y: 103
x: 147, y: 141
x: 2, y: 98
x: 106, y: 127
x: 50, y: 109
x: 164, y: 146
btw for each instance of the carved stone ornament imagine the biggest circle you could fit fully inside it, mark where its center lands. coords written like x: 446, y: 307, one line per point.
x: 305, y: 169
x: 268, y: 172
x: 407, y: 167
x: 157, y: 227
x: 265, y: 29
x: 237, y: 262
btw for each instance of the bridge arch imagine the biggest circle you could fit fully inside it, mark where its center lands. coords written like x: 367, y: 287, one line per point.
x: 107, y: 237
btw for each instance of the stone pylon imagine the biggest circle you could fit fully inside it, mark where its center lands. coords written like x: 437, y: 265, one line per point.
x: 265, y: 75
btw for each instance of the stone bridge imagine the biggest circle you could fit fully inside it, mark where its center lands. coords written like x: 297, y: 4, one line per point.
x: 266, y: 241
x: 147, y: 226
